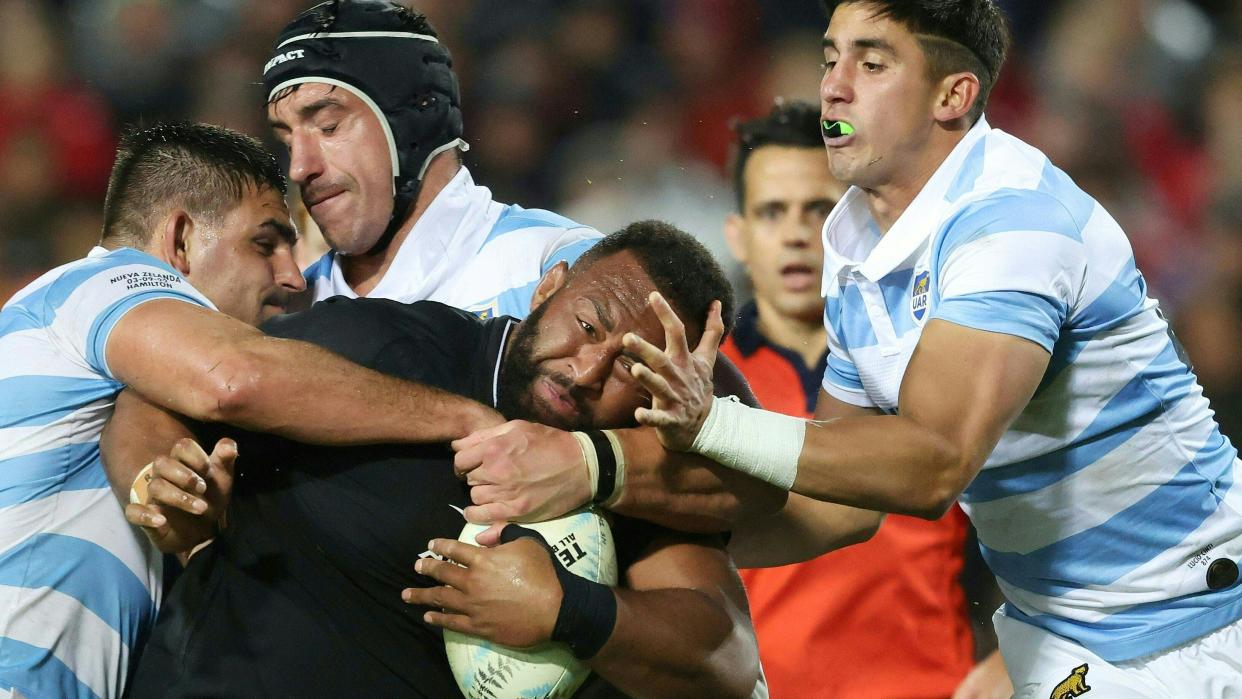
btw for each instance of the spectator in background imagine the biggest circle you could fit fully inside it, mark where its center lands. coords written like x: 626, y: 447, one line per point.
x: 56, y: 145
x: 615, y: 169
x: 886, y: 618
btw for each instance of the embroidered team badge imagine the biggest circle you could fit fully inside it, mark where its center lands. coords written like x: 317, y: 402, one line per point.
x: 1073, y: 686
x: 919, y: 296
x: 485, y: 310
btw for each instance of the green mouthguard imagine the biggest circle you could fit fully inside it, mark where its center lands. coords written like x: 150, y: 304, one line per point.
x: 833, y: 129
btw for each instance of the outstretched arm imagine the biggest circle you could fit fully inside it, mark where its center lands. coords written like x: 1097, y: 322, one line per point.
x: 962, y: 390
x: 210, y: 367
x: 805, y: 528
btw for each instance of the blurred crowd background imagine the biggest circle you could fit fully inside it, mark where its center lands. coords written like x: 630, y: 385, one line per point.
x: 612, y: 110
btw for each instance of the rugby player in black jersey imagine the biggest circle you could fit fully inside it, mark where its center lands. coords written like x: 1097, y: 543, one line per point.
x: 300, y: 594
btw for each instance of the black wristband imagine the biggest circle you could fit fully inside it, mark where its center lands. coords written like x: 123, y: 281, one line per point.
x: 588, y: 610
x: 607, y: 459
x: 588, y: 614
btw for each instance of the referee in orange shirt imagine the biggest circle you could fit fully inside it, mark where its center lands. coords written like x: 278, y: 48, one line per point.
x: 885, y: 619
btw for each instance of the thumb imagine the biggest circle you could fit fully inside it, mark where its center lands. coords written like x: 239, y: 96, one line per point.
x: 491, y: 536
x: 224, y: 455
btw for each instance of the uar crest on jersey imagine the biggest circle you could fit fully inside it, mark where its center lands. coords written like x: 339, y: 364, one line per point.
x: 919, y: 295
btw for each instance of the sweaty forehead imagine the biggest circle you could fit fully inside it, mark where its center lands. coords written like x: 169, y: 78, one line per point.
x: 618, y: 280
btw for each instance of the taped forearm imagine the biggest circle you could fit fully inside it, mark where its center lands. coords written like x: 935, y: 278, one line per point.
x: 687, y: 492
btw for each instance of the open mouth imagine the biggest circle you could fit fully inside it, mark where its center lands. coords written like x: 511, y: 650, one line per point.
x: 836, y: 132
x: 798, y: 277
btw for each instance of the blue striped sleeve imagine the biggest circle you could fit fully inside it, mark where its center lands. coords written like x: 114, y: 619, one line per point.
x: 97, y: 338
x: 1034, y: 317
x: 842, y: 374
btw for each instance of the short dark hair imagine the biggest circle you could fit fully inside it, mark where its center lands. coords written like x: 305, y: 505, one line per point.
x: 956, y: 36
x: 683, y: 271
x: 794, y: 123
x: 203, y: 168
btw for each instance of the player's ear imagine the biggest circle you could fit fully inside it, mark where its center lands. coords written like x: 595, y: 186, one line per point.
x: 549, y: 284
x: 734, y: 230
x: 956, y: 97
x: 177, y: 229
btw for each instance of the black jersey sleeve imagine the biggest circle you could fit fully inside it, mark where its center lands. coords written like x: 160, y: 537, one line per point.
x: 419, y: 341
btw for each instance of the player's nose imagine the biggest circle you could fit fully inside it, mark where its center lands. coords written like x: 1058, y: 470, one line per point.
x: 305, y: 160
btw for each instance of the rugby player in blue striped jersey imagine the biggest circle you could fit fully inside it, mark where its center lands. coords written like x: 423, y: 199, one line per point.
x: 195, y: 223
x: 991, y: 341
x: 363, y: 95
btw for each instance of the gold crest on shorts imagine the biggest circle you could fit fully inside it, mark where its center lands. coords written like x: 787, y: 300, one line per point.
x: 1073, y: 686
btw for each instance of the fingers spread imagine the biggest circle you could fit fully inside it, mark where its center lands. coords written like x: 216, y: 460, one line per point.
x: 674, y: 329
x: 647, y: 353
x: 653, y: 382
x: 713, y: 332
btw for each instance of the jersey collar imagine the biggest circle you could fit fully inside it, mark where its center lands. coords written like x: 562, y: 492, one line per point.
x: 447, y: 233
x: 853, y: 240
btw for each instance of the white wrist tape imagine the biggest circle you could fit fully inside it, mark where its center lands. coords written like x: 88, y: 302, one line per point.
x: 592, y: 461
x: 761, y: 443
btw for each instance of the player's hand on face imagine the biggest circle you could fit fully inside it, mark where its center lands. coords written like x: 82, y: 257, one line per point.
x: 679, y: 380
x: 187, y: 495
x: 508, y: 594
x: 521, y: 471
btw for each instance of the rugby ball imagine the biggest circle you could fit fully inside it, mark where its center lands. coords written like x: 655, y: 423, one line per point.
x: 582, y: 542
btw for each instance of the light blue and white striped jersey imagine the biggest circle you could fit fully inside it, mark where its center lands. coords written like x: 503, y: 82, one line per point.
x: 1102, y: 506
x: 470, y: 252
x: 78, y: 585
